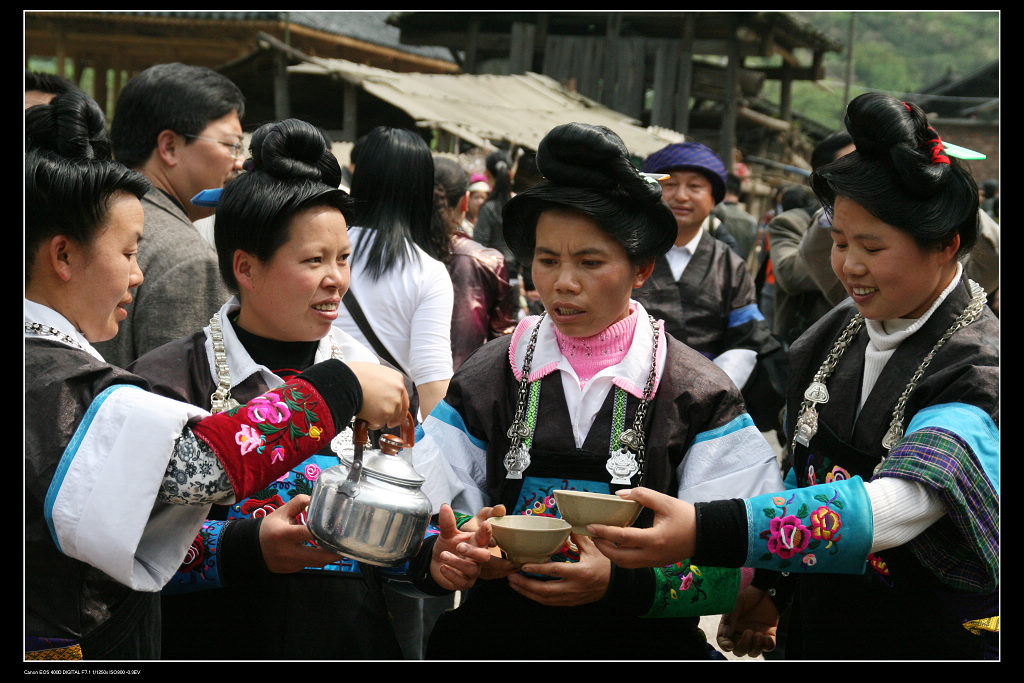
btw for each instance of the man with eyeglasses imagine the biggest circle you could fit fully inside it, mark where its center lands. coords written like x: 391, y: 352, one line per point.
x: 180, y: 126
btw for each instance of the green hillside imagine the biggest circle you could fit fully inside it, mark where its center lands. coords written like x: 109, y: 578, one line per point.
x: 897, y: 52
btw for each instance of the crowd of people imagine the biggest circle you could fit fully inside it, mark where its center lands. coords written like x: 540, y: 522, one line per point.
x: 600, y: 327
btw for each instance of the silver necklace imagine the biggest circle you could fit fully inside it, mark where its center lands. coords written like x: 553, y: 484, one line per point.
x: 626, y: 450
x: 221, y: 399
x: 816, y: 392
x: 48, y: 331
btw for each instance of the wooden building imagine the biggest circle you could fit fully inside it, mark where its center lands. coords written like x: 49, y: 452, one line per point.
x: 692, y: 72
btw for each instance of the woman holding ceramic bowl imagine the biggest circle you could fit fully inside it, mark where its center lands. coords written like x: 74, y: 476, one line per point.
x: 592, y: 395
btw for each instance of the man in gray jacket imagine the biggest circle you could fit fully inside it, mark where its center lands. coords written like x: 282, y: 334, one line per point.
x: 180, y: 126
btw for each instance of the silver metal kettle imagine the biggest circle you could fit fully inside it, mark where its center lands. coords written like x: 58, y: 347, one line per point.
x: 371, y: 508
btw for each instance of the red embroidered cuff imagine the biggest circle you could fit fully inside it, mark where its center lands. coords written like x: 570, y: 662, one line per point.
x: 261, y: 440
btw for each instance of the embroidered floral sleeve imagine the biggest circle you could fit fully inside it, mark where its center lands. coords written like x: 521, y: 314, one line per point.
x: 826, y: 528
x: 194, y: 475
x: 686, y: 590
x: 261, y: 440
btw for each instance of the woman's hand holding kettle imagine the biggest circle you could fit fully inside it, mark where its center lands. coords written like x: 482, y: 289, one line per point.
x: 385, y: 400
x: 458, y: 555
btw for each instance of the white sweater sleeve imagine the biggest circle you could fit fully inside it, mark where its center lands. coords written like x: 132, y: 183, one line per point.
x: 900, y: 510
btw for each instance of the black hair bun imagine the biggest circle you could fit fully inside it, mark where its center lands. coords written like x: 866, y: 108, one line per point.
x: 593, y: 157
x: 72, y: 126
x: 890, y: 129
x: 294, y: 149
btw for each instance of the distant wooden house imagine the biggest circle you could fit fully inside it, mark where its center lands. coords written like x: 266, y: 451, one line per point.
x: 117, y: 44
x: 687, y: 71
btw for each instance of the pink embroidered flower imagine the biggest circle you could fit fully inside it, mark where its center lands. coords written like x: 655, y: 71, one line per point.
x: 268, y: 408
x: 277, y: 454
x: 686, y: 582
x: 810, y: 560
x: 311, y: 471
x: 549, y: 502
x: 248, y: 438
x: 788, y: 536
x: 825, y: 523
x: 837, y: 474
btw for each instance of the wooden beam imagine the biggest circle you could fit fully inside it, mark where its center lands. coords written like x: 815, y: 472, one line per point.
x: 685, y: 86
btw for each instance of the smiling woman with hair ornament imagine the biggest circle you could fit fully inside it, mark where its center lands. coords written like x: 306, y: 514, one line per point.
x: 888, y: 537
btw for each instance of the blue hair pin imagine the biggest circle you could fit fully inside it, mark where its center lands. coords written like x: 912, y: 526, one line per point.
x: 208, y: 197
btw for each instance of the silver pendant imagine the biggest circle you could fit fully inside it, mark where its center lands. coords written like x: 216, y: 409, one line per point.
x: 520, y: 429
x: 220, y: 405
x: 816, y: 393
x: 622, y: 466
x: 892, y: 437
x: 630, y: 439
x: 516, y: 462
x: 806, y: 427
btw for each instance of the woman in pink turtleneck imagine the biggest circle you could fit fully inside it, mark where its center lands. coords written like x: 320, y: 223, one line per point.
x: 592, y: 395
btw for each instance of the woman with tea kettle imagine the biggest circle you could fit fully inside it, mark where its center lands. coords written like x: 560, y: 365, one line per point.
x: 569, y: 396
x: 283, y: 246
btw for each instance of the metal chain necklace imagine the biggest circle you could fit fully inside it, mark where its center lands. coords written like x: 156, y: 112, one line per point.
x: 626, y: 448
x: 48, y: 331
x: 816, y: 392
x: 221, y: 399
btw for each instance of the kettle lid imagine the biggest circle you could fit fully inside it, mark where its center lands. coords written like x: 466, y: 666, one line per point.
x: 391, y: 468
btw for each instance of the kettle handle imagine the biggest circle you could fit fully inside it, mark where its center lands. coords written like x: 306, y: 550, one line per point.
x: 390, y: 444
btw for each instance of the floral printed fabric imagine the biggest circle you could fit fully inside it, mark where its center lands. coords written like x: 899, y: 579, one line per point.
x: 825, y: 528
x: 686, y: 590
x: 263, y: 439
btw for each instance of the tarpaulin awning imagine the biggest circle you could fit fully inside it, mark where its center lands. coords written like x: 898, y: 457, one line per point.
x: 486, y: 109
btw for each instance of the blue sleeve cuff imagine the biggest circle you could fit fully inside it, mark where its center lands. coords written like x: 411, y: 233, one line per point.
x: 825, y: 529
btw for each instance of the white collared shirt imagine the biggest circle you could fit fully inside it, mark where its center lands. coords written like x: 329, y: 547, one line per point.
x: 630, y: 373
x: 679, y: 257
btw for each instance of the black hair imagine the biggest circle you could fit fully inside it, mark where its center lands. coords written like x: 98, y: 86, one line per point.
x: 291, y: 169
x: 70, y: 178
x: 393, y: 186
x: 499, y: 165
x: 587, y: 169
x: 48, y: 83
x: 178, y: 97
x: 900, y: 174
x: 799, y: 197
x: 826, y: 150
x: 733, y: 184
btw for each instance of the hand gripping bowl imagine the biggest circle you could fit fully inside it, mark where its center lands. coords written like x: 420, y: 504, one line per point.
x: 529, y: 538
x: 581, y: 508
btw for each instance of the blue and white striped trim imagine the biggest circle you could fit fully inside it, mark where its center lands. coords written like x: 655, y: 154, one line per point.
x: 71, y: 451
x: 729, y: 461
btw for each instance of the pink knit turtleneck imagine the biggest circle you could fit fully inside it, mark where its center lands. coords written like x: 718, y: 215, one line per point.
x: 589, y: 355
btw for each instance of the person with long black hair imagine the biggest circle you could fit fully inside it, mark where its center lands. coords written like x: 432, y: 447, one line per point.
x: 400, y: 297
